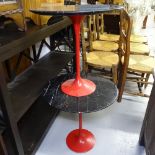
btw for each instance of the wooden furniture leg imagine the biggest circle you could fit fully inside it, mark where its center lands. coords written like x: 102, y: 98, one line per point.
x: 145, y: 22
x: 3, y: 150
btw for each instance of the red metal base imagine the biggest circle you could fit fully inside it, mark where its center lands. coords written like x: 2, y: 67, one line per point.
x: 77, y: 88
x: 80, y: 141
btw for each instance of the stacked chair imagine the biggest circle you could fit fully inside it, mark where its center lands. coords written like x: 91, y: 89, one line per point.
x: 103, y: 59
x: 110, y: 41
x: 138, y: 46
x: 120, y: 60
x: 138, y: 43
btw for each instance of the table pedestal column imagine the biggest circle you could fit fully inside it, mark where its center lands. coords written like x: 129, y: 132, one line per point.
x: 78, y: 87
x: 80, y: 140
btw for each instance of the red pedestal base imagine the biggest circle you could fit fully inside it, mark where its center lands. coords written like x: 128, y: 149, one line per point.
x: 77, y: 88
x: 80, y: 141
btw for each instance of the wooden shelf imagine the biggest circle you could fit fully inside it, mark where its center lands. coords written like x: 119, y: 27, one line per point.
x: 35, y: 124
x: 27, y: 116
x: 29, y: 38
x: 26, y: 87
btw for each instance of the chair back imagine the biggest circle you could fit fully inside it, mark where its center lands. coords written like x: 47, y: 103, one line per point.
x: 99, y: 25
x: 124, y: 48
x: 88, y: 35
x: 85, y: 35
x: 125, y: 33
x: 89, y: 29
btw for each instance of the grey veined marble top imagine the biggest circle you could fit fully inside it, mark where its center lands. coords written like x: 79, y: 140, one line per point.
x: 50, y: 9
x: 104, y: 95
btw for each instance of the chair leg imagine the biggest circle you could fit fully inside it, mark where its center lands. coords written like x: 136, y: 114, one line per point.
x: 139, y: 86
x: 144, y: 22
x: 146, y: 80
x: 114, y: 74
x: 121, y: 83
x: 85, y: 67
x: 143, y: 76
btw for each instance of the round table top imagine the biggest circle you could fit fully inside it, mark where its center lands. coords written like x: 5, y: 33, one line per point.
x: 74, y: 9
x: 104, y: 96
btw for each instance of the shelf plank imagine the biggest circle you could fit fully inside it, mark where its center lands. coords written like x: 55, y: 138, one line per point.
x: 27, y: 39
x: 35, y: 124
x: 27, y: 86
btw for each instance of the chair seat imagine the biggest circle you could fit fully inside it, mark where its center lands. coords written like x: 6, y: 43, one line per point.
x: 139, y: 48
x: 141, y: 63
x: 138, y: 39
x: 109, y: 37
x: 115, y: 38
x: 102, y: 59
x: 104, y: 46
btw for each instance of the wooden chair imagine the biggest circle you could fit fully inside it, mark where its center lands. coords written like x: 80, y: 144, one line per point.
x: 133, y: 68
x: 106, y: 62
x: 13, y: 10
x: 96, y: 43
x: 133, y: 38
x: 142, y: 66
x: 101, y: 35
x: 138, y: 42
x: 139, y: 48
x: 138, y: 39
x: 124, y: 49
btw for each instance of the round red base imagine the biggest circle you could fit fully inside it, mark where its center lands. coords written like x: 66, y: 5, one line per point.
x: 77, y: 88
x: 80, y: 143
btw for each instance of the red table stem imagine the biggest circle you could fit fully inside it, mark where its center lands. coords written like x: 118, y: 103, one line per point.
x: 80, y: 122
x: 77, y: 87
x: 80, y: 140
x: 76, y: 24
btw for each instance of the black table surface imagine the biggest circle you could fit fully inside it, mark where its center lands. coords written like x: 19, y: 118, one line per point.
x: 75, y: 9
x: 104, y: 96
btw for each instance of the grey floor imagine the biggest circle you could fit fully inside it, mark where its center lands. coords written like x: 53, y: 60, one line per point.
x: 116, y: 128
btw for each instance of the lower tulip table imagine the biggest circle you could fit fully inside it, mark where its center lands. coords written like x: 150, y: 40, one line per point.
x: 81, y: 140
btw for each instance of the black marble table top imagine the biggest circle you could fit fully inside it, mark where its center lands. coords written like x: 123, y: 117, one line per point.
x: 104, y: 96
x: 75, y: 9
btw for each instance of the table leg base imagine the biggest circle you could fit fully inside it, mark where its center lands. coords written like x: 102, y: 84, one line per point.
x: 77, y: 88
x: 80, y: 142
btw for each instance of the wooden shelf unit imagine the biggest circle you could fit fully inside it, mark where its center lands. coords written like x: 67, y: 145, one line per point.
x: 26, y: 88
x: 21, y: 105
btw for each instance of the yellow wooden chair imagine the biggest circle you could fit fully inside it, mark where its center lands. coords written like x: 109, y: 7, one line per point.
x: 138, y: 43
x: 99, y: 60
x: 133, y: 68
x: 38, y: 19
x: 101, y: 35
x: 138, y: 65
x: 139, y: 48
x: 138, y: 39
x: 114, y: 37
x: 13, y: 10
x: 97, y: 44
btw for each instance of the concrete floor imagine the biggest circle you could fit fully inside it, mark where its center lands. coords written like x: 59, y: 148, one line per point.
x: 116, y: 128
